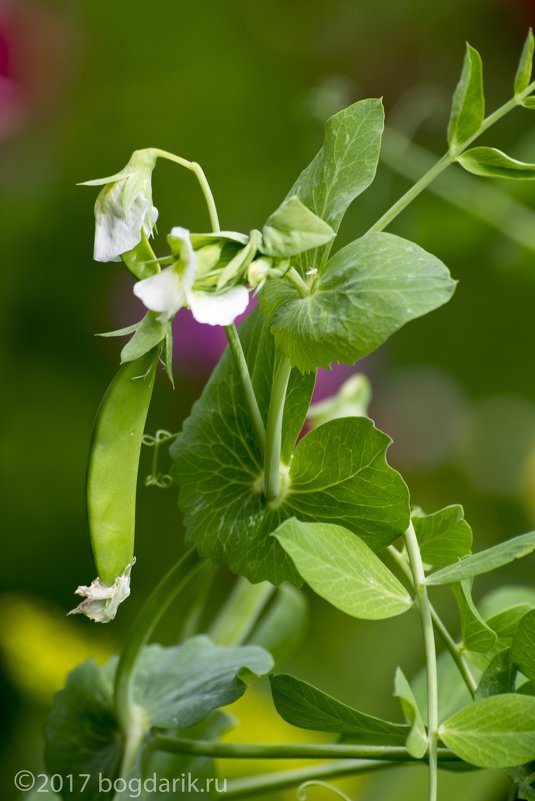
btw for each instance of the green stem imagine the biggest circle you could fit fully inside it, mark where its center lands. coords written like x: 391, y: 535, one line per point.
x: 418, y: 576
x: 451, y: 646
x: 449, y: 158
x: 130, y: 718
x: 230, y: 330
x: 272, y: 461
x: 247, y: 385
x: 480, y: 199
x: 198, y: 171
x: 302, y: 287
x: 284, y: 779
x: 222, y: 750
x: 242, y: 609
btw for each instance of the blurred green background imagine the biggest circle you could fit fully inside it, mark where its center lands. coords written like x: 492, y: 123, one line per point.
x: 244, y: 89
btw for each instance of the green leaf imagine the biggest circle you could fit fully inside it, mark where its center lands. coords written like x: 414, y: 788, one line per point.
x: 338, y: 470
x: 444, y: 536
x: 485, y: 561
x: 341, y: 568
x: 504, y: 608
x: 523, y: 73
x: 476, y: 634
x: 529, y: 102
x: 305, y: 706
x: 293, y: 229
x: 82, y: 733
x: 495, y: 732
x: 174, y: 688
x: 365, y: 293
x: 499, y: 677
x: 284, y: 626
x: 468, y: 105
x: 169, y: 768
x: 452, y: 691
x: 523, y: 647
x: 417, y: 738
x: 492, y: 163
x: 121, y: 332
x: 344, y: 167
x: 149, y: 333
x: 351, y: 400
x: 218, y: 465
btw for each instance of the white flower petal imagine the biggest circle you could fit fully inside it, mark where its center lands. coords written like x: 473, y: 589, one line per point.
x: 116, y: 233
x: 101, y: 602
x: 218, y: 309
x: 163, y: 292
x: 181, y: 246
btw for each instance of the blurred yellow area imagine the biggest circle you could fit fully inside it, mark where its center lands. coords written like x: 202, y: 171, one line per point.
x: 39, y: 645
x: 260, y: 723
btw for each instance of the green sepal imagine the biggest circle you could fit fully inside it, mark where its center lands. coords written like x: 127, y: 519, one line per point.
x: 141, y: 260
x: 149, y: 333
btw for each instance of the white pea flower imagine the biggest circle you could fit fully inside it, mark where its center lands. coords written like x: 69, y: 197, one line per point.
x: 172, y: 288
x: 124, y: 209
x: 101, y: 602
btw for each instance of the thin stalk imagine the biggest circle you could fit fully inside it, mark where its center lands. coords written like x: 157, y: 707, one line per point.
x: 240, y: 613
x: 302, y: 287
x: 448, y: 158
x: 284, y: 779
x: 198, y: 171
x: 272, y: 463
x: 230, y: 330
x: 418, y: 575
x: 480, y: 199
x: 250, y: 397
x: 451, y: 646
x: 129, y: 716
x: 222, y: 750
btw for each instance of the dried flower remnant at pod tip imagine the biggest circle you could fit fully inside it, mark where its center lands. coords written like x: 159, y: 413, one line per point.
x: 102, y: 602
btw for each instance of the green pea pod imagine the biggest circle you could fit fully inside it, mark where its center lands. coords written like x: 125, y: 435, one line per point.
x: 113, y: 465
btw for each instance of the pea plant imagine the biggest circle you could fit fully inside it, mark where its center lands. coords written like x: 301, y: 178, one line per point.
x: 280, y: 509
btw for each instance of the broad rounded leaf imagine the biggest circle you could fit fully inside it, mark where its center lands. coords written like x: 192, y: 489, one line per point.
x: 174, y: 688
x: 338, y: 470
x: 444, y: 536
x: 341, y: 568
x: 495, y: 732
x: 365, y: 293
